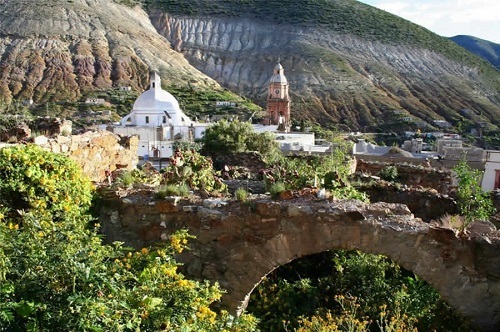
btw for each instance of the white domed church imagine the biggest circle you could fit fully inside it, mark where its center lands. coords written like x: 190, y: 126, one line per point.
x: 158, y: 121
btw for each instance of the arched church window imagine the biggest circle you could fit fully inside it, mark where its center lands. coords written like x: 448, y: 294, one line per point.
x: 164, y: 119
x: 147, y: 119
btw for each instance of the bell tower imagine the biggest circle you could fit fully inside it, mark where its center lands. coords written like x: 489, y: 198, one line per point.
x: 278, y: 100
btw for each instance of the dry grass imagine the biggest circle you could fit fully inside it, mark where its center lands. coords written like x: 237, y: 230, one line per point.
x: 454, y: 221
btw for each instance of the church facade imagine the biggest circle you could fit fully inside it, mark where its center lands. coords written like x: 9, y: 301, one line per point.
x: 158, y: 121
x: 278, y: 100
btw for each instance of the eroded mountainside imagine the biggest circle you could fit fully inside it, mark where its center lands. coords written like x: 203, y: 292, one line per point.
x: 57, y: 49
x: 346, y: 62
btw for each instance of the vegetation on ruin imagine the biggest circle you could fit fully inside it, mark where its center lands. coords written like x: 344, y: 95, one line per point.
x: 473, y: 202
x: 188, y: 167
x: 349, y: 291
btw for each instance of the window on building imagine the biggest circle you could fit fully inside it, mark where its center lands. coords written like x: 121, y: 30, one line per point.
x: 164, y: 119
x: 497, y: 179
x: 147, y: 119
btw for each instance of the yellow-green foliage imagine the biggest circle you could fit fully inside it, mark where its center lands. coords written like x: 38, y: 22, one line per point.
x: 55, y: 273
x: 241, y: 194
x: 41, y: 182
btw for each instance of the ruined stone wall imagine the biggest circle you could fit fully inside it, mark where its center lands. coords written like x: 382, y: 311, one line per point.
x: 426, y: 204
x: 469, y: 154
x: 439, y: 164
x: 238, y: 243
x: 411, y: 175
x: 95, y: 151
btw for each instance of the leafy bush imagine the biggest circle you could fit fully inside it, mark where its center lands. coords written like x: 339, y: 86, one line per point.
x: 325, y: 291
x: 126, y: 179
x: 233, y: 137
x: 42, y: 183
x: 473, y: 202
x: 389, y: 173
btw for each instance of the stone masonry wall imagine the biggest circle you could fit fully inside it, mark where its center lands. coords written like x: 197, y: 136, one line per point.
x: 95, y: 151
x: 411, y: 175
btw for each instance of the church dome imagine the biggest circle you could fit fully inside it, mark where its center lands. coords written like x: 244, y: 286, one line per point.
x: 156, y: 99
x: 157, y: 102
x: 279, y: 75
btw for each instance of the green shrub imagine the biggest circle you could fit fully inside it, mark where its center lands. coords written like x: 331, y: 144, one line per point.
x: 382, y: 292
x: 389, y: 173
x: 276, y: 188
x: 233, y: 137
x: 126, y: 179
x: 241, y: 194
x: 55, y: 272
x: 473, y: 202
x: 42, y: 183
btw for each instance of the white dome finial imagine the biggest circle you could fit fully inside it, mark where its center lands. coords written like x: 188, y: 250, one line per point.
x: 155, y: 80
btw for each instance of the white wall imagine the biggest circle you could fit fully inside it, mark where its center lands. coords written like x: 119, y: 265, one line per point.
x: 492, y: 164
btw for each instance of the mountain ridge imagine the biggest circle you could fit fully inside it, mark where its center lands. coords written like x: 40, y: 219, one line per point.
x: 349, y: 65
x: 354, y: 80
x: 483, y: 48
x: 53, y: 50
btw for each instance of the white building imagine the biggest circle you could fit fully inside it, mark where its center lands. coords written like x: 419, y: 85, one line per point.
x: 491, y: 176
x: 158, y: 121
x: 364, y: 147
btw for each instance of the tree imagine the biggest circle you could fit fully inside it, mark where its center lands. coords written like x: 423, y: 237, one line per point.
x: 55, y: 272
x: 234, y: 137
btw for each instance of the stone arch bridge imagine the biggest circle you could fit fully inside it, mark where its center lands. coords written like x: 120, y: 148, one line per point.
x: 237, y: 244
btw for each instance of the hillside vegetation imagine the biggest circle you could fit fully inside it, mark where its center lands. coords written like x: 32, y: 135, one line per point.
x: 485, y: 49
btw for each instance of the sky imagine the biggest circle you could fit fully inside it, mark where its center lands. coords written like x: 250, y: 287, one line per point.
x: 448, y: 18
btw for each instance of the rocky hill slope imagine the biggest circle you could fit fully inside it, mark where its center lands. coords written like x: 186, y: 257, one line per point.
x: 348, y: 63
x: 58, y: 49
x: 486, y: 49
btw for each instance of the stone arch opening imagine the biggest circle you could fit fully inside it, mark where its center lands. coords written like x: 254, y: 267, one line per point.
x: 299, y: 288
x: 437, y: 255
x: 238, y: 243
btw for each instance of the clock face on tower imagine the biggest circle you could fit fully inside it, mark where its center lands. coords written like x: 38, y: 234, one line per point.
x: 277, y: 91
